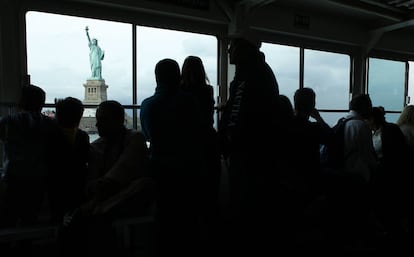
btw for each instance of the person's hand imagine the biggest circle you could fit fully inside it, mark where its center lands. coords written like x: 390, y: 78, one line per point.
x: 315, y: 114
x: 68, y: 217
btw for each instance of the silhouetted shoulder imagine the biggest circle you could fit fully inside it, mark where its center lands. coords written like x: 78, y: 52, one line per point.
x: 135, y: 135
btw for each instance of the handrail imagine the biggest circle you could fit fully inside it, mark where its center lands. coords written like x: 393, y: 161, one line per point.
x: 30, y: 232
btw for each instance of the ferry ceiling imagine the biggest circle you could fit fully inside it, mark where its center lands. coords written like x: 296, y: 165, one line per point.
x: 366, y: 25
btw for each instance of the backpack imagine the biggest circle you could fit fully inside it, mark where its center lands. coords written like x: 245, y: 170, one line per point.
x: 332, y: 152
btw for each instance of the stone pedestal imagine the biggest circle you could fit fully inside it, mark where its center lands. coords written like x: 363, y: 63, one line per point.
x: 95, y: 91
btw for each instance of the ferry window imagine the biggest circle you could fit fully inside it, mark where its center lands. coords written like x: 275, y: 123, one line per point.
x: 327, y: 74
x: 58, y: 55
x: 58, y: 59
x: 284, y: 61
x: 386, y: 83
x: 154, y: 44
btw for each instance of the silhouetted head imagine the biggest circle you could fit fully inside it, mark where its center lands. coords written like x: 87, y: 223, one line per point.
x: 377, y: 118
x: 69, y: 112
x: 304, y: 100
x: 242, y: 50
x: 167, y: 74
x: 244, y: 46
x: 94, y: 41
x: 362, y: 105
x: 32, y: 98
x: 193, y: 72
x: 110, y: 117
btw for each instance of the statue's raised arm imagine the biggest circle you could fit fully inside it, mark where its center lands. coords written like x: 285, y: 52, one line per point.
x: 87, y: 34
x: 96, y: 54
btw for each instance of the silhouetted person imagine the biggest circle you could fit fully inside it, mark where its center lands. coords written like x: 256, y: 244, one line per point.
x: 309, y: 135
x: 170, y: 121
x: 195, y: 81
x: 68, y: 179
x: 120, y: 155
x: 248, y: 132
x: 360, y: 161
x: 28, y: 138
x: 350, y: 200
x: 118, y: 163
x: 304, y: 179
x: 390, y: 182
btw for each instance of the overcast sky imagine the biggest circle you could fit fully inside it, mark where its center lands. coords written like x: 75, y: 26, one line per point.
x: 58, y: 61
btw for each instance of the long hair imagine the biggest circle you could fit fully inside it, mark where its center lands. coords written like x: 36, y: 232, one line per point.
x: 407, y: 116
x: 193, y: 72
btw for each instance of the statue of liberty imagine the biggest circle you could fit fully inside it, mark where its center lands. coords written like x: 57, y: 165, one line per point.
x: 96, y: 54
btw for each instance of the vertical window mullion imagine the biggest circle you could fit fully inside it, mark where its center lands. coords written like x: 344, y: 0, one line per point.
x: 134, y: 77
x: 301, y: 66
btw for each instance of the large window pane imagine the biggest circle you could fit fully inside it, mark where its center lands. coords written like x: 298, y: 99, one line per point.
x: 58, y: 55
x: 386, y: 83
x: 284, y: 61
x: 155, y: 44
x: 328, y: 75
